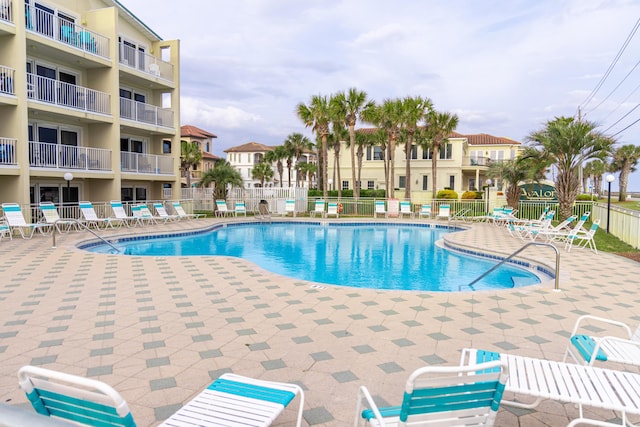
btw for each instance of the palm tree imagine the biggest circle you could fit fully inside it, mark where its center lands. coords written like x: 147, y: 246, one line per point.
x: 567, y: 143
x: 351, y: 105
x: 277, y: 155
x: 317, y: 115
x: 438, y: 128
x: 625, y: 160
x: 223, y: 174
x: 388, y: 117
x: 263, y: 172
x: 413, y: 112
x: 306, y: 169
x: 296, y: 145
x: 338, y: 135
x: 513, y: 172
x: 594, y: 170
x: 190, y: 155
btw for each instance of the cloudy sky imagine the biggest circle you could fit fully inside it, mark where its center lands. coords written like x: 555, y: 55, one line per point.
x: 504, y: 67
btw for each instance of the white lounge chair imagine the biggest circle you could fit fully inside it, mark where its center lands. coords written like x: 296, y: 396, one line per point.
x: 586, y: 348
x: 13, y: 215
x: 221, y: 208
x: 566, y: 383
x: 332, y: 209
x: 147, y: 215
x: 232, y: 400
x: 121, y: 214
x: 92, y: 220
x: 442, y: 396
x: 181, y: 213
x: 5, y: 231
x: 51, y: 216
x: 379, y: 209
x: 584, y: 239
x: 444, y: 212
x: 290, y: 207
x: 425, y: 211
x: 405, y: 209
x: 318, y: 209
x: 161, y: 212
x: 240, y: 209
x: 551, y: 233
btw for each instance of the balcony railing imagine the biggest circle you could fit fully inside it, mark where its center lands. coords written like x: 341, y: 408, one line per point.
x: 67, y: 95
x: 145, y: 113
x: 146, y: 163
x: 131, y: 57
x: 58, y: 156
x: 6, y: 11
x: 476, y: 161
x: 6, y: 80
x: 47, y: 24
x: 8, y: 151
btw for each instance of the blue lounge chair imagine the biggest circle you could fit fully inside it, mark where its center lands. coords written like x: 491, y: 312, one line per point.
x: 442, y: 395
x: 231, y: 400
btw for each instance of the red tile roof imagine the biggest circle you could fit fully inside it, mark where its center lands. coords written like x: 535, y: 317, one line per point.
x: 209, y: 156
x: 195, y: 132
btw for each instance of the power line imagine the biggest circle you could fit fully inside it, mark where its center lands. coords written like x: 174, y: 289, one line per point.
x: 620, y: 119
x: 615, y: 88
x: 619, y: 132
x: 613, y: 64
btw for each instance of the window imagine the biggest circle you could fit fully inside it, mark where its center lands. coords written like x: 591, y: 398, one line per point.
x: 496, y: 155
x: 371, y: 185
x: 425, y: 182
x: 127, y: 194
x: 402, y: 181
x: 452, y: 182
x: 414, y: 152
x: 472, y: 184
x: 166, y: 147
x: 378, y: 154
x: 208, y: 147
x: 132, y: 54
x: 445, y: 152
x: 345, y: 185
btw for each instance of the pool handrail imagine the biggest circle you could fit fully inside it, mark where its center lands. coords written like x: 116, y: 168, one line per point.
x: 80, y: 224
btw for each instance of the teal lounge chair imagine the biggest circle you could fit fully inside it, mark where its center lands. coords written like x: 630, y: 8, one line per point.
x: 91, y: 219
x: 231, y: 400
x: 442, y: 396
x: 13, y: 215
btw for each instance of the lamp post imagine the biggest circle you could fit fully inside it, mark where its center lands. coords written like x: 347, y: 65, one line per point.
x: 68, y: 177
x: 610, y: 178
x: 488, y: 182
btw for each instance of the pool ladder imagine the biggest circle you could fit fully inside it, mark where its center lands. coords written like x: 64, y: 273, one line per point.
x: 557, y: 284
x: 81, y: 225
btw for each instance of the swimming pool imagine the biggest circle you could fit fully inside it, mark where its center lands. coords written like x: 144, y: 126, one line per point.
x: 361, y: 255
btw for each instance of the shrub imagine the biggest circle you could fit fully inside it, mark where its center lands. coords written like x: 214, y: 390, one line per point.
x: 447, y: 194
x: 471, y: 195
x: 585, y: 197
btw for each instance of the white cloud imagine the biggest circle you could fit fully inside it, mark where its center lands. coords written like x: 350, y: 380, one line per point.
x: 228, y: 117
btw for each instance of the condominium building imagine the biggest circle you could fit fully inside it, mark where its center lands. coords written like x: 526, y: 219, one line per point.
x: 89, y: 104
x: 204, y: 141
x: 244, y: 157
x: 462, y: 164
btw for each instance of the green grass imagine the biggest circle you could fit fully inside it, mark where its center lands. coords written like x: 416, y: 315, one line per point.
x: 609, y: 243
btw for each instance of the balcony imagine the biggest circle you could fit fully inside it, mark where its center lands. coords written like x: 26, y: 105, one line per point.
x: 58, y: 156
x: 145, y: 113
x: 7, y: 76
x: 8, y: 152
x: 6, y: 11
x: 67, y: 95
x: 148, y: 64
x: 476, y: 161
x: 146, y: 163
x: 46, y: 24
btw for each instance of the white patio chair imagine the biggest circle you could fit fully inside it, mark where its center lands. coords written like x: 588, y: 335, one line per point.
x: 318, y: 209
x: 425, y: 211
x: 405, y: 209
x: 231, y: 400
x: 13, y: 215
x: 51, y: 216
x: 332, y: 209
x: 585, y: 347
x: 379, y: 209
x: 442, y: 396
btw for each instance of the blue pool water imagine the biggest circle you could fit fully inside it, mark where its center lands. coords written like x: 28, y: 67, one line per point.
x: 379, y: 256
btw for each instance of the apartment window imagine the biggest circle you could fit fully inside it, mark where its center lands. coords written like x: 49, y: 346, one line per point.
x: 375, y: 153
x: 472, y: 184
x: 208, y: 147
x: 133, y: 194
x: 257, y: 158
x: 371, y: 185
x: 496, y: 155
x: 132, y: 145
x: 132, y: 54
x: 425, y: 183
x: 402, y: 181
x: 166, y: 147
x: 444, y: 153
x: 345, y: 185
x: 414, y: 152
x: 452, y: 182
